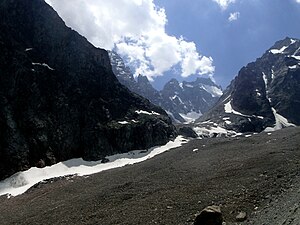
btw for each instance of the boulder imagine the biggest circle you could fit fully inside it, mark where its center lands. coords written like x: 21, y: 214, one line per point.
x: 211, y: 215
x: 187, y: 132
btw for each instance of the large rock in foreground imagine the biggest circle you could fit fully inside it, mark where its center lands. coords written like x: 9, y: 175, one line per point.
x: 59, y: 98
x: 211, y: 215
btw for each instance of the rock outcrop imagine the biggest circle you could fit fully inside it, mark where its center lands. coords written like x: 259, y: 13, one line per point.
x: 59, y: 98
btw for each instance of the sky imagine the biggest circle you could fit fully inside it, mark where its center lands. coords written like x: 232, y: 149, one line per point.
x: 183, y: 39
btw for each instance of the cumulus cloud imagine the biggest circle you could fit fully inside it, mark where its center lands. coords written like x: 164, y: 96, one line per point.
x: 136, y: 30
x: 234, y: 16
x: 224, y: 3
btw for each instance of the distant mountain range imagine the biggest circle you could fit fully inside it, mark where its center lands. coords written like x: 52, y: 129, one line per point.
x: 59, y: 98
x: 265, y: 95
x: 184, y: 102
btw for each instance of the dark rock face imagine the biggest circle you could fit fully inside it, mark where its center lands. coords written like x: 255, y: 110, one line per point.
x: 187, y: 132
x: 211, y: 215
x: 263, y: 93
x: 59, y: 98
x: 183, y: 101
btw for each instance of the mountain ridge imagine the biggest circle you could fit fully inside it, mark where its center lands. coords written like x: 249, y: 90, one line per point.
x: 59, y: 98
x: 184, y: 101
x: 265, y: 93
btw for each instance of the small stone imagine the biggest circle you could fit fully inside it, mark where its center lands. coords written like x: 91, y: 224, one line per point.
x: 211, y: 215
x: 242, y: 216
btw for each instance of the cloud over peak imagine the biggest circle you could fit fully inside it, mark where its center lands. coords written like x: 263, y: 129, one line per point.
x: 136, y: 29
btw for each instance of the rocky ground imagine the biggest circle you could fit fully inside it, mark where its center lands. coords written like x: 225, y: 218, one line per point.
x: 257, y: 175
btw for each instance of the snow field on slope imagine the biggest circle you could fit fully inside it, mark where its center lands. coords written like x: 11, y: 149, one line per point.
x: 20, y: 182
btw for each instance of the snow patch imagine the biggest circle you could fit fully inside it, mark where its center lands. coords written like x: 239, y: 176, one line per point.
x: 147, y: 113
x: 228, y: 109
x: 42, y: 64
x: 228, y: 122
x: 28, y: 49
x: 258, y: 93
x: 209, y: 129
x: 226, y: 118
x: 22, y: 181
x: 123, y: 122
x: 278, y: 51
x: 295, y: 57
x: 280, y: 123
x: 191, y: 116
x: 293, y: 67
x: 213, y: 90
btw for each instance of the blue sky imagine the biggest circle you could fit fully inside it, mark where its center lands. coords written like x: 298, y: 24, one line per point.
x: 162, y: 39
x: 231, y: 44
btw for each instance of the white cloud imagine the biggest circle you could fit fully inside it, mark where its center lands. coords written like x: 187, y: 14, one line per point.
x: 136, y: 28
x: 234, y: 16
x: 298, y: 1
x: 224, y: 3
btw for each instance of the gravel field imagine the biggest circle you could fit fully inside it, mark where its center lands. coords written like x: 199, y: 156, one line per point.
x: 258, y: 175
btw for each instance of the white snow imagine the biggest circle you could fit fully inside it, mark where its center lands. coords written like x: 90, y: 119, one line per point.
x: 22, y: 181
x: 181, y: 85
x: 293, y: 67
x: 213, y: 130
x: 28, y: 49
x: 226, y: 118
x: 295, y: 57
x: 228, y: 122
x: 213, y: 90
x: 280, y: 123
x: 147, y: 113
x: 248, y: 135
x: 123, y: 122
x: 42, y: 64
x: 191, y: 116
x: 228, y: 109
x: 279, y: 51
x: 273, y: 74
x: 195, y: 150
x: 175, y: 96
x: 188, y: 85
x: 258, y: 93
x: 265, y: 80
x: 226, y: 98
